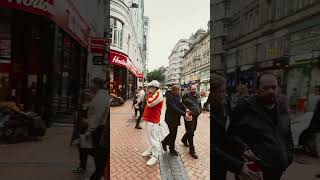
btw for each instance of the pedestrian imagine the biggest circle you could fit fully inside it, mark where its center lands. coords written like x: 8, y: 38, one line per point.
x: 98, y: 110
x: 242, y: 92
x: 260, y: 129
x: 135, y: 100
x: 222, y: 160
x: 192, y: 102
x: 139, y: 105
x: 173, y: 115
x: 151, y: 116
x: 313, y: 99
x: 293, y: 100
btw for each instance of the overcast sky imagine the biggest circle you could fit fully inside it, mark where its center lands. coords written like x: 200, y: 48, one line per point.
x: 171, y: 20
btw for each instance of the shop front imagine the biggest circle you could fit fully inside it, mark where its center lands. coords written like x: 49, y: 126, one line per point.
x: 247, y: 75
x: 231, y: 77
x: 41, y: 64
x: 124, y: 75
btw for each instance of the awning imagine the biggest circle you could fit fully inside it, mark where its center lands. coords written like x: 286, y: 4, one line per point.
x: 121, y: 59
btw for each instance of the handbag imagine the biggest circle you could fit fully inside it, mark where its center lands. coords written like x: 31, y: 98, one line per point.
x: 163, y: 130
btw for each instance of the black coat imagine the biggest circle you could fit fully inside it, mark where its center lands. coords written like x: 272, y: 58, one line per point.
x: 222, y: 160
x: 252, y: 128
x: 174, y: 109
x: 193, y: 103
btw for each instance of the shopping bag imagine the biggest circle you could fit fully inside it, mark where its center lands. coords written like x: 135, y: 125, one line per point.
x: 163, y: 130
x: 253, y: 166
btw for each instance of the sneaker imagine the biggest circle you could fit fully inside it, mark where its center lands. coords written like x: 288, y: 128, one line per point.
x: 147, y: 153
x: 78, y: 170
x: 152, y: 161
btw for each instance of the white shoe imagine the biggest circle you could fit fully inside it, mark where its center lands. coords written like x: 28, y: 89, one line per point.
x: 152, y: 161
x: 147, y: 153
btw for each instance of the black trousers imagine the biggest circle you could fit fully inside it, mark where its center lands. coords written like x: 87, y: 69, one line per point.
x: 141, y: 110
x: 171, y: 138
x: 136, y: 111
x: 100, y: 160
x: 83, y: 153
x: 191, y: 127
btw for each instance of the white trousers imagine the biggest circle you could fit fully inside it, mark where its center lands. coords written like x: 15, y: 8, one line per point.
x: 152, y: 131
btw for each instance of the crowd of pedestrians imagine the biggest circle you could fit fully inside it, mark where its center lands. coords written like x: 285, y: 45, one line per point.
x: 148, y: 104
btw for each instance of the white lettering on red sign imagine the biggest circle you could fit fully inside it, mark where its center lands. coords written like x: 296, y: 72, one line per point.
x: 38, y: 4
x: 118, y: 61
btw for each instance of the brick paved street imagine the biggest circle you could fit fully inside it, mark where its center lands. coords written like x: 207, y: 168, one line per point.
x: 128, y: 143
x: 49, y: 159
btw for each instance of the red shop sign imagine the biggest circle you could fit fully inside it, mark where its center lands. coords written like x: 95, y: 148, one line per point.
x: 40, y: 7
x: 98, y: 46
x: 140, y: 75
x: 118, y: 59
x: 121, y: 59
x: 132, y: 68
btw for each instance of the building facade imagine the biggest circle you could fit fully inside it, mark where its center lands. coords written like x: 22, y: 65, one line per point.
x: 195, y: 67
x: 127, y: 48
x: 44, y: 51
x: 175, y: 60
x: 146, y: 42
x: 254, y: 36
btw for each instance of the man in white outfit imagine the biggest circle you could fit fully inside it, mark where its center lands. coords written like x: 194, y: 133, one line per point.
x: 151, y: 116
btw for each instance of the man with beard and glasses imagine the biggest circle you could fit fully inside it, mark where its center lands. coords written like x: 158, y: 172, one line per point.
x: 260, y: 129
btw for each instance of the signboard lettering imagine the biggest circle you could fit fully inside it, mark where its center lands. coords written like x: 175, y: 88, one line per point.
x: 38, y: 4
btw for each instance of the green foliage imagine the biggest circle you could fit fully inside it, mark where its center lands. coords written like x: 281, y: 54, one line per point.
x: 157, y: 74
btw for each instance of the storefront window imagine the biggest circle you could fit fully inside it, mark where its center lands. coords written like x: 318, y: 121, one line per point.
x: 5, y: 55
x: 117, y: 32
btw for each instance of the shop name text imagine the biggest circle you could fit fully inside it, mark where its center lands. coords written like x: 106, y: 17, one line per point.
x: 38, y: 4
x: 118, y: 61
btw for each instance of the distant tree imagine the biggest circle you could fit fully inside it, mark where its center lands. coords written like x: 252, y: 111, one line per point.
x: 157, y: 74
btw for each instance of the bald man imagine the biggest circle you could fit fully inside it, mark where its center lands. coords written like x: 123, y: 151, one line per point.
x: 261, y: 131
x: 192, y: 103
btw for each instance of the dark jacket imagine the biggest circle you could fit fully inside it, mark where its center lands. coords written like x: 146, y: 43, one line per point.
x: 174, y: 109
x: 222, y: 160
x: 314, y: 125
x: 251, y: 127
x: 193, y: 103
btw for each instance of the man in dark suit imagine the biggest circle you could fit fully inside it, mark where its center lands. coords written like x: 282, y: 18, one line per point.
x: 173, y: 114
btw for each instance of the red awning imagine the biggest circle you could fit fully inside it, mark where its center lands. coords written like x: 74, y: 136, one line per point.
x: 121, y: 59
x: 98, y: 46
